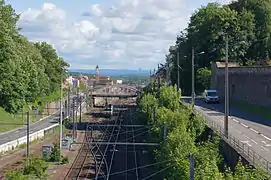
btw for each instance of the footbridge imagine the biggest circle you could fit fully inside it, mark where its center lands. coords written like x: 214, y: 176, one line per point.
x: 113, y: 92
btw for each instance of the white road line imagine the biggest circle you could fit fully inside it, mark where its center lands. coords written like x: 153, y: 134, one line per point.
x: 264, y: 148
x: 254, y: 141
x: 246, y: 142
x: 266, y: 137
x: 238, y: 131
x: 235, y: 120
x: 254, y: 130
x: 247, y: 137
x: 244, y: 125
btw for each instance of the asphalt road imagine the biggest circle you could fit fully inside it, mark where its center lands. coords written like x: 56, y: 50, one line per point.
x: 37, y: 126
x: 252, y: 130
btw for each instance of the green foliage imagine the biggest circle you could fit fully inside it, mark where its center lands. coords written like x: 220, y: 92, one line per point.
x: 29, y: 70
x: 65, y: 160
x: 55, y: 154
x: 14, y: 175
x: 37, y: 169
x: 248, y: 26
x: 204, y: 78
x: 169, y: 98
x: 186, y: 133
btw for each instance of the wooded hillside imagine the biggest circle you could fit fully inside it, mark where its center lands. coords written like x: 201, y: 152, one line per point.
x: 29, y: 71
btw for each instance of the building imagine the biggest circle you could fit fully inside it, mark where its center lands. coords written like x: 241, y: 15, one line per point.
x: 76, y: 83
x: 69, y: 80
x: 118, y: 81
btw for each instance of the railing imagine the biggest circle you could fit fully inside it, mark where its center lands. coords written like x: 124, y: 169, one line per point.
x: 243, y: 149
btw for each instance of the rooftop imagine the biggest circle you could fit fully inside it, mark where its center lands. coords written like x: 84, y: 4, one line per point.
x: 230, y: 64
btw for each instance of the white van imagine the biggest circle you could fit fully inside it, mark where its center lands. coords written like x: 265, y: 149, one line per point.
x: 211, y: 96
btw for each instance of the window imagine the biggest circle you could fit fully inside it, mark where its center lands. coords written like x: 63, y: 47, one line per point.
x: 211, y: 94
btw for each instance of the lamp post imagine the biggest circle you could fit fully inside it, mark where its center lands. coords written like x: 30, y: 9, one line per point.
x: 193, y: 76
x: 61, y: 116
x: 226, y: 118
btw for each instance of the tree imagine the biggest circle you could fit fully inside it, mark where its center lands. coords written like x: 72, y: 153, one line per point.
x: 204, y: 78
x: 206, y: 33
x: 29, y: 70
x: 261, y: 10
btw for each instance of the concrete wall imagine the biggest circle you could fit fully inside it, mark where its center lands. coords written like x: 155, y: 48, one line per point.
x: 33, y: 136
x: 251, y: 85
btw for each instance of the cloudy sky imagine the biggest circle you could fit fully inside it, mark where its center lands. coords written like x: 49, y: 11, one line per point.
x: 116, y: 34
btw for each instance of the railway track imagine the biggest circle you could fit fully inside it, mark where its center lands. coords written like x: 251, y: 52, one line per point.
x: 79, y: 161
x: 91, y: 160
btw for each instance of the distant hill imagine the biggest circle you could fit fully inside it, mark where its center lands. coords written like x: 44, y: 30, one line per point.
x: 114, y: 72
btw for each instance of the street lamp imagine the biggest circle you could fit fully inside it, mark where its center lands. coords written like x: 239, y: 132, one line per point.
x: 193, y: 76
x: 61, y: 118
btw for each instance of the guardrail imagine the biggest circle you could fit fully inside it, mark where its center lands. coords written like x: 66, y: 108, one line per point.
x: 243, y: 149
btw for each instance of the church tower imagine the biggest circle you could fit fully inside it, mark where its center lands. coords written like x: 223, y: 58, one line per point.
x: 97, y: 73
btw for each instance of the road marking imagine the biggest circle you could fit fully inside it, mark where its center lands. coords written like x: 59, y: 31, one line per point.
x: 235, y: 120
x: 244, y: 125
x: 238, y: 131
x: 266, y: 137
x: 254, y: 141
x: 264, y: 148
x: 246, y: 142
x: 247, y: 137
x: 254, y: 130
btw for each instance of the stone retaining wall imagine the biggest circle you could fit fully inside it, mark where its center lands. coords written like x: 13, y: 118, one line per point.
x: 251, y: 85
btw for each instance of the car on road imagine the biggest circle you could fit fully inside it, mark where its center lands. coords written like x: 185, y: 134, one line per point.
x: 210, y: 96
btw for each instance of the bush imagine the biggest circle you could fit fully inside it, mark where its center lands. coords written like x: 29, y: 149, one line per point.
x: 65, y: 160
x: 37, y: 169
x: 55, y: 154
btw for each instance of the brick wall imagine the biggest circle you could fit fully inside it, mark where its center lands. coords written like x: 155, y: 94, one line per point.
x: 251, y: 85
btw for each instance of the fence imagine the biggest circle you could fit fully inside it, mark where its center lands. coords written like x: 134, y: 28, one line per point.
x: 243, y: 149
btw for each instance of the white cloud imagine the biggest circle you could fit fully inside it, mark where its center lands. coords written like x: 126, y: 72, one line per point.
x: 125, y: 34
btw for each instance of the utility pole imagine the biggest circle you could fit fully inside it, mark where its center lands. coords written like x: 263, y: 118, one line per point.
x: 226, y: 120
x: 193, y: 78
x: 27, y: 135
x: 178, y: 71
x: 191, y: 158
x: 68, y: 110
x: 80, y: 110
x: 76, y: 120
x: 61, y: 115
x: 73, y: 124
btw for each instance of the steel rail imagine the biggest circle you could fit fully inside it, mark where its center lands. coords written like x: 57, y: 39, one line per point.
x: 107, y: 145
x: 101, y: 153
x: 69, y: 173
x: 114, y: 146
x: 132, y: 122
x: 84, y: 161
x: 94, y: 153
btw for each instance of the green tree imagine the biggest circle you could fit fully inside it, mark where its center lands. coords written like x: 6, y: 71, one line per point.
x: 204, y: 78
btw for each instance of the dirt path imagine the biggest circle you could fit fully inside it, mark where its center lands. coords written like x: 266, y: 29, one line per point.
x: 15, y: 160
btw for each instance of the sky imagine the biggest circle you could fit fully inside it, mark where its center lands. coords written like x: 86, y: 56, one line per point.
x: 115, y: 34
